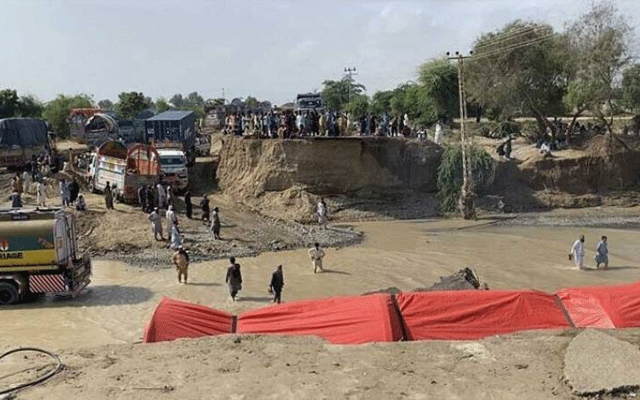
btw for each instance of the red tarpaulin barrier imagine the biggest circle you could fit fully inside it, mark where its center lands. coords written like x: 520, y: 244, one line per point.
x: 603, y: 306
x: 466, y: 315
x: 340, y: 320
x: 174, y: 319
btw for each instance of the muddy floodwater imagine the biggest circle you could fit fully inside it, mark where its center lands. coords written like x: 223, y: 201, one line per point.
x: 404, y: 254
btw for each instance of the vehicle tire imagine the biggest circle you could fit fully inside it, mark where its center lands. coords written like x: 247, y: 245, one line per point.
x: 8, y: 293
x: 92, y: 187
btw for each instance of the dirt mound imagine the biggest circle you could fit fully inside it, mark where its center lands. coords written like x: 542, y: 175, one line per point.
x: 287, y: 177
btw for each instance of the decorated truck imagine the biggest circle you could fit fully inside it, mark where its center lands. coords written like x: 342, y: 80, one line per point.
x: 39, y: 254
x: 125, y: 168
x: 92, y: 126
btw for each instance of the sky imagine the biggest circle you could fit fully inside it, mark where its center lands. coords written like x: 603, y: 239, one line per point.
x: 269, y: 49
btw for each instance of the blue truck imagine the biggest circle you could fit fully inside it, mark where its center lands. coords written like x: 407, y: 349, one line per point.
x: 171, y: 128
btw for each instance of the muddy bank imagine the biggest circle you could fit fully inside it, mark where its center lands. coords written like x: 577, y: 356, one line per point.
x: 244, y: 233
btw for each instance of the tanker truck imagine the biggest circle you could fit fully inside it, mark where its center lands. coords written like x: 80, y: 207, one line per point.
x: 39, y: 254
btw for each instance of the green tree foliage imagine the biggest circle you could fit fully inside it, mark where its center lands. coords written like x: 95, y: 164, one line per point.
x: 194, y: 100
x: 30, y: 107
x: 251, y: 102
x: 631, y: 88
x: 335, y: 94
x: 450, y: 175
x: 439, y: 81
x: 162, y: 105
x: 57, y: 111
x: 599, y: 47
x: 381, y: 102
x: 105, y: 104
x: 176, y: 100
x: 358, y: 106
x: 519, y: 69
x: 9, y: 103
x: 130, y: 104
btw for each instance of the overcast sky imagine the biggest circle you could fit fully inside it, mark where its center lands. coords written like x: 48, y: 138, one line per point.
x: 268, y: 49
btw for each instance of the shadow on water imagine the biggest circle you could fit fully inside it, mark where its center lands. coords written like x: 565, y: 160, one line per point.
x: 93, y: 296
x: 204, y: 284
x: 253, y: 298
x: 333, y: 271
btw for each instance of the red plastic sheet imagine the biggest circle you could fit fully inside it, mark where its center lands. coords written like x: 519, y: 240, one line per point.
x: 174, y: 319
x: 340, y: 320
x: 603, y: 306
x: 466, y: 315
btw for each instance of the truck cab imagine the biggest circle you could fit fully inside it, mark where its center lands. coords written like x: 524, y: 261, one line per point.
x: 173, y: 167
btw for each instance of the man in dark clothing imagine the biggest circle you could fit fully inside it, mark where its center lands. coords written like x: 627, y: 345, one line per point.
x: 151, y: 201
x: 142, y: 197
x: 16, y: 201
x: 204, y: 206
x: 276, y: 285
x: 234, y: 278
x: 108, y: 196
x: 74, y: 190
x: 187, y: 204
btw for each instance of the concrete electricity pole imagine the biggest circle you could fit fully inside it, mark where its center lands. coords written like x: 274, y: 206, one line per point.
x: 350, y: 72
x: 467, y: 197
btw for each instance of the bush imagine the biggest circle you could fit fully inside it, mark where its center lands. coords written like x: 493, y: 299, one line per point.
x: 450, y: 175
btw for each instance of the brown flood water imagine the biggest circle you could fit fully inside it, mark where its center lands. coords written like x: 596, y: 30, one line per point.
x: 406, y: 255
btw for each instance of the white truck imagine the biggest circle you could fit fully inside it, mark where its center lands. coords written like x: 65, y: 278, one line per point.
x: 173, y: 168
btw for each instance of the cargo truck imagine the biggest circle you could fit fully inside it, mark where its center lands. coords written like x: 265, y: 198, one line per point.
x: 39, y: 254
x: 125, y: 168
x: 21, y: 139
x: 171, y: 128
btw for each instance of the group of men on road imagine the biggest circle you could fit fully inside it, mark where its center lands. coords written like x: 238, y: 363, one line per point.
x: 577, y: 253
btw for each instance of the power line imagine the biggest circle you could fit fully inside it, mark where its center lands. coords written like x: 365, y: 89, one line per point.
x: 511, y: 47
x: 508, y: 37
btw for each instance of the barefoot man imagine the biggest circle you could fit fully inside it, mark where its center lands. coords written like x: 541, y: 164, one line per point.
x: 316, y: 254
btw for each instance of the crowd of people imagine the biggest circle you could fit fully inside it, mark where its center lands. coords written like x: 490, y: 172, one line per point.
x: 288, y: 124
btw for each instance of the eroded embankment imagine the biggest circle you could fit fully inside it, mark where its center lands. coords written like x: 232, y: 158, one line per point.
x: 287, y: 177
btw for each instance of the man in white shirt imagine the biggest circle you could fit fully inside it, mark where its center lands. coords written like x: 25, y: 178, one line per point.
x: 577, y: 253
x: 172, y: 220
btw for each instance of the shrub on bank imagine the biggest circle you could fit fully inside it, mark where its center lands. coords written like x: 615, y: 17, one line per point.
x: 450, y: 174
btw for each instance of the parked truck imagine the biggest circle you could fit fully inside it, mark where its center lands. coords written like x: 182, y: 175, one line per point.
x: 173, y: 167
x: 21, y: 139
x: 92, y: 126
x: 125, y: 168
x: 172, y: 128
x: 39, y: 254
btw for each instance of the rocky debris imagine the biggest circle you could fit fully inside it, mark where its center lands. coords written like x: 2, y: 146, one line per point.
x: 465, y: 279
x: 596, y: 364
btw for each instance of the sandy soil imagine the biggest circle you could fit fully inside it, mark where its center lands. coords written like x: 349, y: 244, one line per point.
x: 406, y: 255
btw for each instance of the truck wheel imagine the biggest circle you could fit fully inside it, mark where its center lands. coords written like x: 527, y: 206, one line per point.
x: 92, y: 187
x: 8, y: 293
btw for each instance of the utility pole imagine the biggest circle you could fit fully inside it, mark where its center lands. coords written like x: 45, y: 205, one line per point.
x: 223, y: 99
x: 350, y: 72
x: 467, y: 197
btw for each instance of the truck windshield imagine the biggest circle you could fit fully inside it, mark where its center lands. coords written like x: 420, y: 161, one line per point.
x: 172, y: 160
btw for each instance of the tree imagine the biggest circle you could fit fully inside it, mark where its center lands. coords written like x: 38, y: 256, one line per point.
x: 520, y: 69
x: 162, y: 105
x: 130, y: 104
x: 599, y: 44
x: 381, y: 102
x: 194, y: 99
x: 335, y: 94
x: 9, y: 103
x: 358, y: 106
x: 631, y: 88
x: 176, y: 100
x: 57, y: 111
x: 439, y: 80
x: 105, y: 104
x: 30, y: 107
x: 251, y: 102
